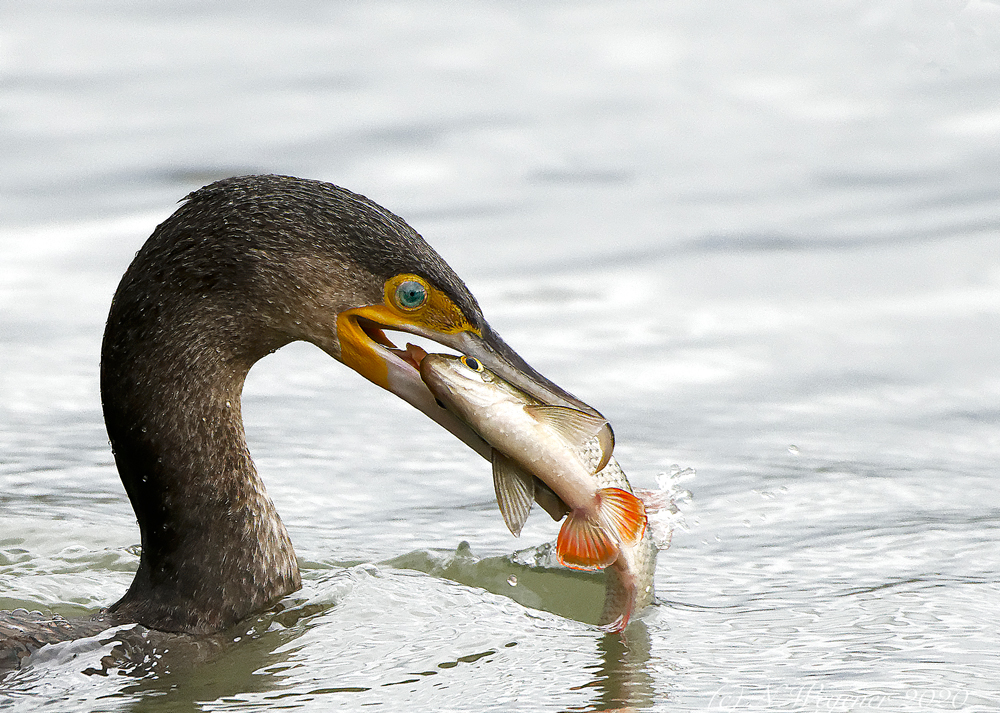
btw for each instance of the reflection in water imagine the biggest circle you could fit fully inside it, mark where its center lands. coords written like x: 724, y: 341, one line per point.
x: 529, y: 577
x: 623, y: 679
x: 175, y: 669
x: 188, y: 679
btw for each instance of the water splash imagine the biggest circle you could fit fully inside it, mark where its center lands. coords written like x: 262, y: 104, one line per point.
x: 662, y: 511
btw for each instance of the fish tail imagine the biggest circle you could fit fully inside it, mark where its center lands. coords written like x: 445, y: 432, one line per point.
x: 619, y: 623
x: 621, y: 599
x: 624, y: 514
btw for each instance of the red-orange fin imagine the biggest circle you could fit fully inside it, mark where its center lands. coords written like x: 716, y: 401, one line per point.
x: 624, y: 514
x: 585, y: 544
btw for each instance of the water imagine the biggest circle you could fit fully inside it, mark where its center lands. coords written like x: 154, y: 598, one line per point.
x: 761, y: 238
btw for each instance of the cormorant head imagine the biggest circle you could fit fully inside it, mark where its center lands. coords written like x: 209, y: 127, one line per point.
x: 342, y: 272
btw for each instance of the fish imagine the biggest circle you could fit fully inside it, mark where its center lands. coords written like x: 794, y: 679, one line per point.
x: 546, y: 453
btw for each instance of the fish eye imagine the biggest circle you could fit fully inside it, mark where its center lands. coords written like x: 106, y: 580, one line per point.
x: 472, y: 363
x: 410, y: 295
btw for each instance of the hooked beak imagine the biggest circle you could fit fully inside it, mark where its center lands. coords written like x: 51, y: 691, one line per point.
x: 365, y: 348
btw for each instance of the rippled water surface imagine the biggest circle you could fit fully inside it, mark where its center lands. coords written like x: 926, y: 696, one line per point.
x: 761, y: 237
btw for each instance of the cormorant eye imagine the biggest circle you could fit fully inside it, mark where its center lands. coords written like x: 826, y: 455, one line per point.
x: 410, y: 294
x: 472, y: 363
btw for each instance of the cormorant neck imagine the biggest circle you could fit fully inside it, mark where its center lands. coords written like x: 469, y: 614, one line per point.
x: 214, y: 550
x: 243, y: 267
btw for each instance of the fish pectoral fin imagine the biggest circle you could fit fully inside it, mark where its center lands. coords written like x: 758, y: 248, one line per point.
x: 585, y: 544
x: 549, y: 501
x: 624, y: 513
x: 577, y: 427
x: 515, y: 491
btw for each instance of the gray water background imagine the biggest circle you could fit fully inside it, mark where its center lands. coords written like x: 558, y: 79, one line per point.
x: 760, y: 237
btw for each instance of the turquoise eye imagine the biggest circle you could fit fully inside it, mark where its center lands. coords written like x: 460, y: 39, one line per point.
x: 411, y: 294
x: 472, y: 363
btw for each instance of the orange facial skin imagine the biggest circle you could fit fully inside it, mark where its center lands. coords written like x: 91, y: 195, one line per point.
x: 364, y: 346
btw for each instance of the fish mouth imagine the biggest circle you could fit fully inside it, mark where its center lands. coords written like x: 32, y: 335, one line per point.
x: 412, y: 354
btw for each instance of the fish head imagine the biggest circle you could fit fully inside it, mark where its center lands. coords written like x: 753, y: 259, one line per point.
x: 465, y: 386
